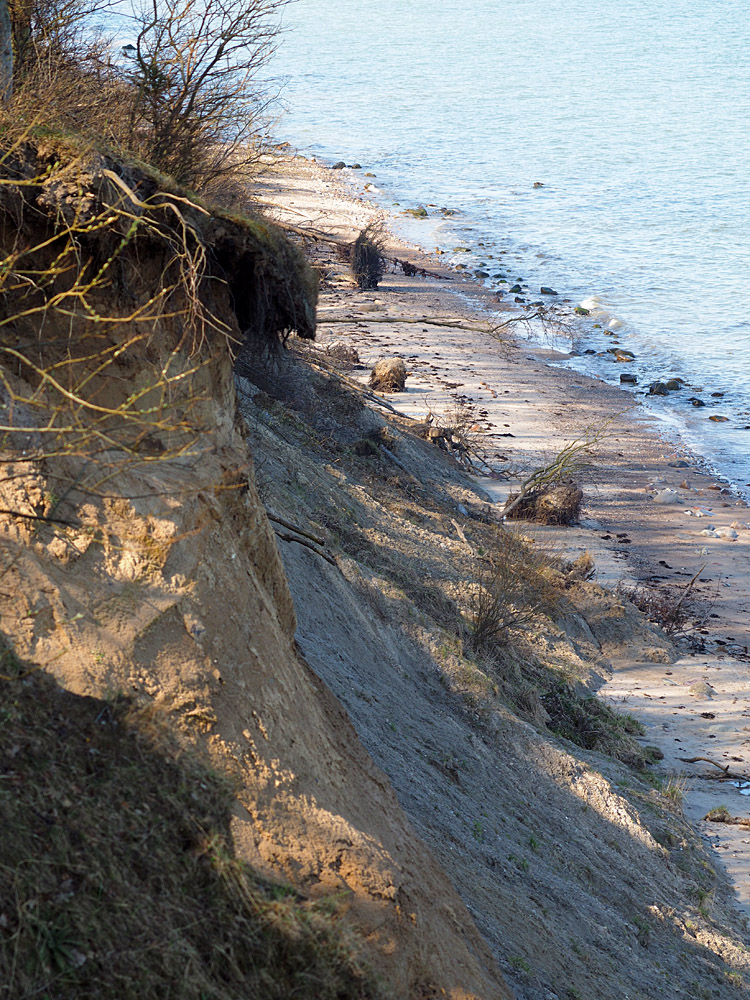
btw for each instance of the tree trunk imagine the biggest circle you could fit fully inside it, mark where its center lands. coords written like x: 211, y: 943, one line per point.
x: 6, y: 53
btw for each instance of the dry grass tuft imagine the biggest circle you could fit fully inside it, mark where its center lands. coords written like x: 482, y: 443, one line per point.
x: 593, y: 725
x: 514, y: 585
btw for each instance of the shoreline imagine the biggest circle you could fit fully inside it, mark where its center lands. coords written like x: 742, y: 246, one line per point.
x: 635, y: 523
x: 596, y: 333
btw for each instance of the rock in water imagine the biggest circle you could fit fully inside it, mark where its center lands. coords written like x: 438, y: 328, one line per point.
x: 388, y: 375
x: 674, y: 384
x: 658, y: 389
x: 547, y: 291
x: 627, y: 379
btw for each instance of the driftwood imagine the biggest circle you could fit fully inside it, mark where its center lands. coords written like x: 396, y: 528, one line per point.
x: 410, y: 270
x: 456, y: 324
x: 726, y: 775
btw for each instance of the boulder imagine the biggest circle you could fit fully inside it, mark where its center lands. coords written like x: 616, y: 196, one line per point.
x: 658, y: 389
x: 628, y: 379
x: 547, y: 291
x: 338, y: 166
x: 674, y: 384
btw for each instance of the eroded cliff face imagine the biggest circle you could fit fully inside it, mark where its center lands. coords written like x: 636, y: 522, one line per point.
x: 146, y: 564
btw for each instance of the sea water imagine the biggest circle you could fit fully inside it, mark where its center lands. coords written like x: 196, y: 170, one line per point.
x: 632, y: 115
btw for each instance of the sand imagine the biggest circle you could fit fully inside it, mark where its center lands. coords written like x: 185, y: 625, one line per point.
x: 643, y: 517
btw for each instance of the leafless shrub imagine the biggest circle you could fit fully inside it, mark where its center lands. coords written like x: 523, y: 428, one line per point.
x: 513, y: 585
x: 345, y: 353
x: 193, y: 75
x: 460, y: 432
x: 678, y: 612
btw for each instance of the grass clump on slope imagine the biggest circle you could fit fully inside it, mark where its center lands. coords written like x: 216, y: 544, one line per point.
x: 117, y: 876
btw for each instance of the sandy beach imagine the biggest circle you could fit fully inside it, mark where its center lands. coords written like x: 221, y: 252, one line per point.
x: 652, y: 518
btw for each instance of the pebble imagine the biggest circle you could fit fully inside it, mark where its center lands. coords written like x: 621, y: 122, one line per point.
x: 628, y: 379
x: 547, y: 291
x: 695, y: 401
x: 718, y: 419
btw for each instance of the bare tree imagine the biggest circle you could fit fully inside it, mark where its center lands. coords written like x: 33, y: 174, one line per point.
x: 193, y: 69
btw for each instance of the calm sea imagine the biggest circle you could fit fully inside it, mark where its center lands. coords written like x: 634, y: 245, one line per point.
x: 634, y: 115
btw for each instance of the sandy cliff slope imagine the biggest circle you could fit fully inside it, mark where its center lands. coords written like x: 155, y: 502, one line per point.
x: 147, y: 565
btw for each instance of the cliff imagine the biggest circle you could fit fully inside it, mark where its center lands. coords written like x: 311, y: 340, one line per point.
x: 138, y: 558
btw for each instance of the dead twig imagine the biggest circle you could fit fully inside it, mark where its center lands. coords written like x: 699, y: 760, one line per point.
x: 308, y: 545
x: 293, y: 527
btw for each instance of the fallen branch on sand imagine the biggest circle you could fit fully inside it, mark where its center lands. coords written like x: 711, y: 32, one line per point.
x: 724, y: 768
x: 568, y: 460
x: 451, y: 324
x: 344, y: 248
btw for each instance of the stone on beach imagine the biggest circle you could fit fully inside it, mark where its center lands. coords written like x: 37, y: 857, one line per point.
x: 701, y: 689
x: 667, y: 496
x: 726, y: 532
x: 388, y: 375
